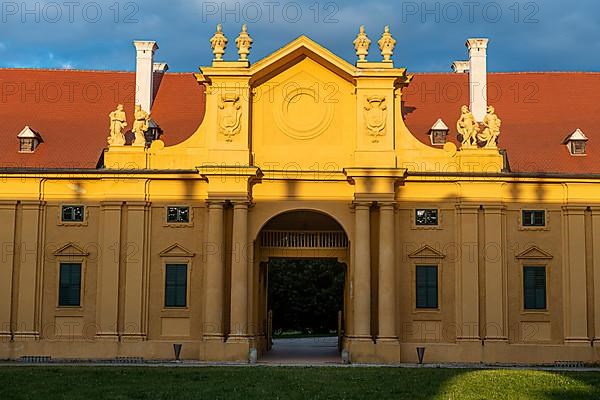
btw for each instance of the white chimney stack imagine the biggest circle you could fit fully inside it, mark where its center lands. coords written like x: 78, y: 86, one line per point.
x: 144, y: 74
x: 478, y: 76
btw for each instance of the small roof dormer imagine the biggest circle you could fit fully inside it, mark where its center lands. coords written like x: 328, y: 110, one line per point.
x: 29, y: 140
x: 576, y: 143
x: 439, y: 133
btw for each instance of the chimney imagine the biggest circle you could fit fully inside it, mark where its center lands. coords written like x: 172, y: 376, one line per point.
x: 478, y: 76
x: 144, y: 75
x: 460, y: 67
x: 160, y: 67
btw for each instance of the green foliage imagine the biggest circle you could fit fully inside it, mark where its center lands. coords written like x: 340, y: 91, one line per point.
x: 306, y: 295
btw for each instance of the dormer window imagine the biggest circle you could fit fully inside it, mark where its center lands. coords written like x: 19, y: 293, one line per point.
x: 29, y: 140
x: 576, y: 143
x: 439, y: 133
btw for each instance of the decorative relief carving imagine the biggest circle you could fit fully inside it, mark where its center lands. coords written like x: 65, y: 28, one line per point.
x: 303, y: 113
x: 230, y: 116
x: 376, y: 117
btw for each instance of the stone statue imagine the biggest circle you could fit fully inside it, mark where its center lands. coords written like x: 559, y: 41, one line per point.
x: 118, y: 122
x: 387, y: 44
x: 244, y: 43
x: 468, y: 128
x: 219, y: 43
x: 140, y: 126
x: 491, y: 129
x: 362, y: 44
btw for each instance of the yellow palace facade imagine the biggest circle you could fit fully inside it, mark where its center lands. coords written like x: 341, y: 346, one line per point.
x: 459, y: 246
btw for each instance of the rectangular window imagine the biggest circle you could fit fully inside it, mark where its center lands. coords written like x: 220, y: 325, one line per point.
x: 427, y: 217
x: 534, y: 288
x: 72, y: 213
x: 534, y: 218
x: 176, y: 285
x: 427, y: 287
x: 178, y: 215
x: 69, y: 294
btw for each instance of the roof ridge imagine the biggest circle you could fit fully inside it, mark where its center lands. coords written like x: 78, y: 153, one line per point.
x: 102, y: 71
x: 513, y: 73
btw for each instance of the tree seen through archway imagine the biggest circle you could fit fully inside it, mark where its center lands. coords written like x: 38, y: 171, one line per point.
x: 306, y: 295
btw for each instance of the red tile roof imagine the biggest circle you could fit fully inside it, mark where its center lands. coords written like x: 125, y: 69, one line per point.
x: 70, y: 111
x: 538, y: 110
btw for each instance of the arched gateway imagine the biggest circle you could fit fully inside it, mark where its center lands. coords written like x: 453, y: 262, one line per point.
x: 304, y: 154
x: 298, y: 235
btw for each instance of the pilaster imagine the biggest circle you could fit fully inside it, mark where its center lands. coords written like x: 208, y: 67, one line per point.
x: 387, y: 274
x: 7, y: 238
x: 467, y: 273
x: 596, y: 271
x: 28, y: 299
x: 361, y: 280
x: 107, y: 308
x: 239, y: 273
x: 574, y: 275
x: 215, y: 270
x: 135, y: 276
x: 495, y: 274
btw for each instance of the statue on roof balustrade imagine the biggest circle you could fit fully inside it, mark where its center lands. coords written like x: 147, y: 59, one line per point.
x: 118, y: 123
x: 468, y: 128
x: 491, y: 129
x: 140, y: 126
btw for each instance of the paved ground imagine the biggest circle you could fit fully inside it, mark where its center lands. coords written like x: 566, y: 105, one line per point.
x: 312, y: 351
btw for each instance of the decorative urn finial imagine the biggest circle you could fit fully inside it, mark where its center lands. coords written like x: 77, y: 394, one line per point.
x: 244, y: 43
x: 387, y: 44
x: 219, y: 43
x: 362, y: 44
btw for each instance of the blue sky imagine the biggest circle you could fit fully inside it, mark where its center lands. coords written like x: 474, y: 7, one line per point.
x: 525, y: 35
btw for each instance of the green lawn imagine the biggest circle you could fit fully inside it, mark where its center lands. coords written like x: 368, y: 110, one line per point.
x: 75, y: 383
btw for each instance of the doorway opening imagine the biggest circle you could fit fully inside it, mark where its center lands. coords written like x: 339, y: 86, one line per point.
x: 306, y: 308
x: 304, y: 268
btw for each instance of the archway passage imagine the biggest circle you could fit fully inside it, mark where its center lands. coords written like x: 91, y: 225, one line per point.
x: 304, y: 261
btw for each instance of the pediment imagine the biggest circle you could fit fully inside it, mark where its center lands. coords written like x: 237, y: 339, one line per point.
x: 534, y: 253
x: 176, y: 250
x: 426, y: 252
x: 295, y: 51
x: 71, y: 250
